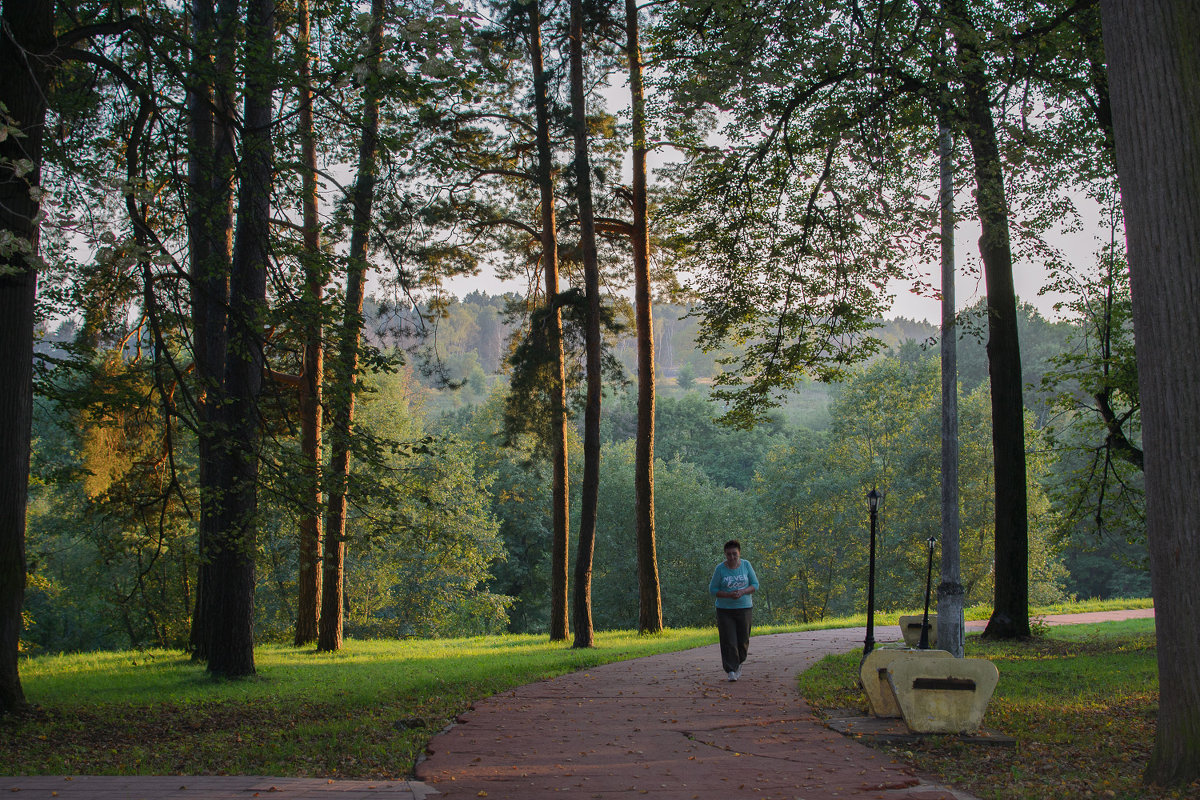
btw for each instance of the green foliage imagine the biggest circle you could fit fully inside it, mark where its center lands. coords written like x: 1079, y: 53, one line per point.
x: 422, y: 536
x: 794, y: 496
x: 1042, y: 342
x: 425, y: 572
x: 808, y: 508
x: 534, y: 365
x: 518, y: 499
x: 796, y: 222
x: 688, y: 431
x: 480, y: 328
x: 685, y: 378
x: 1097, y: 433
x: 794, y: 212
x: 110, y: 546
x: 886, y: 434
x: 694, y: 517
x: 1106, y: 567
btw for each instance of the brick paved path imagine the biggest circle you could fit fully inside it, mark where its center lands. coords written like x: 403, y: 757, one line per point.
x: 206, y: 787
x: 669, y: 726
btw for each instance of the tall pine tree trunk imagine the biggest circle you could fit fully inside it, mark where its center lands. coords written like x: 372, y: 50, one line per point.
x: 649, y: 591
x: 233, y: 551
x: 333, y: 567
x: 210, y: 252
x: 1154, y: 76
x: 559, y: 627
x: 308, y: 601
x: 28, y: 30
x: 591, y: 277
x: 1010, y: 614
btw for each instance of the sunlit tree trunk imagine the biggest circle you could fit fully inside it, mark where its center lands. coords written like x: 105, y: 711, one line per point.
x: 1154, y: 76
x: 28, y: 28
x: 559, y: 627
x: 591, y: 272
x: 649, y: 592
x: 308, y: 601
x: 342, y: 407
x: 233, y: 551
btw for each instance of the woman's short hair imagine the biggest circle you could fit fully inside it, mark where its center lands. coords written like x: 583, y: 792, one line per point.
x: 733, y: 543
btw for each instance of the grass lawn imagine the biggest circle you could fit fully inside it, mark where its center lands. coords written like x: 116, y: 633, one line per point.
x: 365, y: 712
x: 1080, y: 700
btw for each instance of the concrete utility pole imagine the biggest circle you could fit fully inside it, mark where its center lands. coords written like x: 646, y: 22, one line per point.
x: 950, y: 628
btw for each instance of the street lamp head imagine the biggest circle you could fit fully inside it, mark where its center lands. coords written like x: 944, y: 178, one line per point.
x: 932, y: 542
x: 873, y: 499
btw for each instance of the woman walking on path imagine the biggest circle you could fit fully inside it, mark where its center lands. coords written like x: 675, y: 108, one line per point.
x: 733, y: 582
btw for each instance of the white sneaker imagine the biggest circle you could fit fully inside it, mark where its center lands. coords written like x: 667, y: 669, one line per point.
x: 733, y: 676
x: 737, y: 674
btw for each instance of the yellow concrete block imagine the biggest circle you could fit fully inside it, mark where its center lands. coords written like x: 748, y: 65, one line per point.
x: 873, y: 674
x: 942, y: 695
x: 910, y: 628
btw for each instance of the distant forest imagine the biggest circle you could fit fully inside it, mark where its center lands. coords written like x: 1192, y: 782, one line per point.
x: 467, y: 549
x: 466, y: 341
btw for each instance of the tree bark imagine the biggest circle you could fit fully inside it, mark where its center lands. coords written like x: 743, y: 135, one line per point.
x: 333, y: 568
x: 591, y: 272
x: 951, y: 629
x: 308, y: 601
x: 1010, y: 614
x: 559, y: 626
x: 650, y: 618
x: 233, y: 551
x: 210, y: 246
x: 28, y: 30
x: 1154, y: 77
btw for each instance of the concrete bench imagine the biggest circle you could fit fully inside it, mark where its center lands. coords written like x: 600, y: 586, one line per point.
x: 910, y: 628
x: 942, y: 695
x: 873, y: 674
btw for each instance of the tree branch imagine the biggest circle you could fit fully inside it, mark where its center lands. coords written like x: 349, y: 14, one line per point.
x: 1116, y: 439
x: 512, y: 223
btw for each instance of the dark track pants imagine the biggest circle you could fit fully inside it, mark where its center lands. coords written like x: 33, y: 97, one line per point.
x: 733, y: 628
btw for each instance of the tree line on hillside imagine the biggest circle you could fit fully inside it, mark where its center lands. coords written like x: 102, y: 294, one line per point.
x: 475, y: 332
x: 477, y: 329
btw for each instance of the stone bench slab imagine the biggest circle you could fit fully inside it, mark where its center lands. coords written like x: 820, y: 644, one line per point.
x: 910, y: 628
x: 873, y: 674
x: 942, y: 695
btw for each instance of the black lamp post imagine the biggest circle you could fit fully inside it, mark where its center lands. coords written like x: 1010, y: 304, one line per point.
x: 924, y: 643
x: 869, y: 644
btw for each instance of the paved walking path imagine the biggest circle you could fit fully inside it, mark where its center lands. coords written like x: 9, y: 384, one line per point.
x: 667, y: 726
